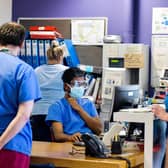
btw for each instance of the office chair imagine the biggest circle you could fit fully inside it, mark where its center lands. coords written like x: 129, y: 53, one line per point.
x: 48, y: 165
x: 41, y: 132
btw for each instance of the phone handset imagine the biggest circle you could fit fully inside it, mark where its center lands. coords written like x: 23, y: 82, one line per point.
x: 94, y: 146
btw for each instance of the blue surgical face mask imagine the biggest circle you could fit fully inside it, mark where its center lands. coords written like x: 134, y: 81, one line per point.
x: 77, y: 92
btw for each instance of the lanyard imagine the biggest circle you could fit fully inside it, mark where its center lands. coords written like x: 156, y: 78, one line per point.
x: 4, y: 50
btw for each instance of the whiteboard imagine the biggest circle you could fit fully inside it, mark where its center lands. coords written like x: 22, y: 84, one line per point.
x: 159, y: 60
x: 88, y: 31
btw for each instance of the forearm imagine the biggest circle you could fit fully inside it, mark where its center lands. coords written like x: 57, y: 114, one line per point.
x: 61, y: 137
x: 13, y: 128
x: 92, y: 122
x: 17, y: 123
x: 165, y: 117
x: 160, y: 112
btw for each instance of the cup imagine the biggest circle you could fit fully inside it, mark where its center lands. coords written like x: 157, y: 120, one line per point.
x: 116, y: 147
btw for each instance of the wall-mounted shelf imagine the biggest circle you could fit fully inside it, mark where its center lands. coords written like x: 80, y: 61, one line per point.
x: 88, y: 53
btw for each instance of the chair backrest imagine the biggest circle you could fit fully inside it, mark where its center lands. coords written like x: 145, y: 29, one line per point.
x: 41, y: 132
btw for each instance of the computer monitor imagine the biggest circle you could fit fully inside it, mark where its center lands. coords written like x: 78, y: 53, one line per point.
x: 126, y: 96
x: 165, y: 73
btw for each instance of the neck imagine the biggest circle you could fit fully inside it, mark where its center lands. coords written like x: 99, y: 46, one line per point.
x: 13, y: 50
x: 67, y: 95
x: 52, y: 62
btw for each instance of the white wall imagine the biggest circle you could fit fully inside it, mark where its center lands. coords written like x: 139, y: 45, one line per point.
x: 5, y: 11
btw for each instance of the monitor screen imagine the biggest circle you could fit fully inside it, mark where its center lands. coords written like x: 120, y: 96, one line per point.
x: 126, y: 96
x: 165, y: 73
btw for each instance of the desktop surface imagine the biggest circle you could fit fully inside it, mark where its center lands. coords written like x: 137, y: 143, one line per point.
x: 59, y: 155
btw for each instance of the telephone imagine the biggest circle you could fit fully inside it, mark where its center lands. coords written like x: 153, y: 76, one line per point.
x: 94, y: 146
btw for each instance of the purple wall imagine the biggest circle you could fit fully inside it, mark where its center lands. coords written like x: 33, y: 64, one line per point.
x: 115, y: 11
x: 130, y: 18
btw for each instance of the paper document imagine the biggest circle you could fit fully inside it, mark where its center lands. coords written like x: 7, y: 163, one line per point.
x: 137, y: 110
x: 114, y: 130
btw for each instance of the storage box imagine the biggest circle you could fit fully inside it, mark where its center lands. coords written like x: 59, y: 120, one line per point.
x: 44, y: 32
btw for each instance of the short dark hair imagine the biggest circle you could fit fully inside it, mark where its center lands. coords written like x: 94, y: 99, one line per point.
x: 12, y: 34
x: 71, y: 73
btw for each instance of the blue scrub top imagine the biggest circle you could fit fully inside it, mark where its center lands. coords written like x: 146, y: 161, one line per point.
x: 18, y: 84
x: 61, y: 111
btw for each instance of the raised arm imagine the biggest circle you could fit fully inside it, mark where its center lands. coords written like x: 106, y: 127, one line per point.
x: 93, y: 123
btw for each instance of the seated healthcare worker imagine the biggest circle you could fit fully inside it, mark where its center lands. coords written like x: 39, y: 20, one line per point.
x: 73, y: 115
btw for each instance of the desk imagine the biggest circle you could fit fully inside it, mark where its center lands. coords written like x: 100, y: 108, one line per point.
x: 58, y: 154
x: 146, y: 118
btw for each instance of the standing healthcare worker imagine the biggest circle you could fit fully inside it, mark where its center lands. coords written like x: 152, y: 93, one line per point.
x: 18, y: 91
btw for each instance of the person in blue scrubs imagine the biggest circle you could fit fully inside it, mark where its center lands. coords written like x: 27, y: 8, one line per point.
x: 18, y: 91
x: 73, y: 115
x: 160, y: 134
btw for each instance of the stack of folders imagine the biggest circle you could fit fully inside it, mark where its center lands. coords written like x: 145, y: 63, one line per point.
x: 94, y: 82
x: 70, y: 56
x: 34, y: 52
x: 94, y: 89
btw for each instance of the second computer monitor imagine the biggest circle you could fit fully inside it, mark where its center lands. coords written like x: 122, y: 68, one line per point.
x: 126, y: 96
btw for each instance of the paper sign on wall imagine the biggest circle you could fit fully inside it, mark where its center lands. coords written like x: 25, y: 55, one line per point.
x: 87, y: 30
x: 160, y: 21
x: 159, y: 58
x: 133, y: 60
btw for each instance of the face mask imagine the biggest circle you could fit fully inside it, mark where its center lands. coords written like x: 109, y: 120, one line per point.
x: 77, y: 92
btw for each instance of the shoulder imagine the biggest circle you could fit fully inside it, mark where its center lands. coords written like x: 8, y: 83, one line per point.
x: 61, y: 67
x: 25, y: 74
x: 59, y: 103
x: 84, y: 101
x: 88, y: 106
x: 65, y: 67
x: 24, y: 68
x: 40, y: 68
x: 58, y: 107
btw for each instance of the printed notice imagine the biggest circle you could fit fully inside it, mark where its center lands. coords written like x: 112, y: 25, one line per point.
x: 87, y: 31
x: 133, y: 60
x: 160, y: 21
x: 159, y: 58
